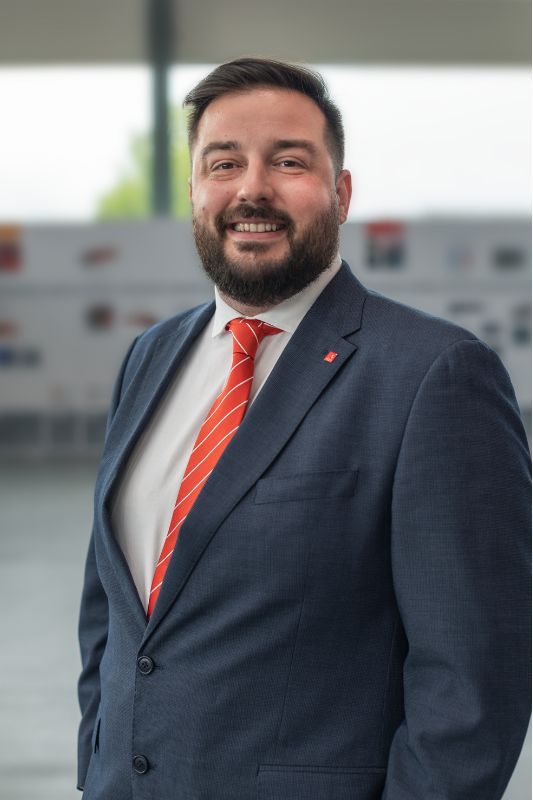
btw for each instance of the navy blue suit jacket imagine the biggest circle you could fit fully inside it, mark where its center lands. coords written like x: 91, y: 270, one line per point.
x: 346, y: 613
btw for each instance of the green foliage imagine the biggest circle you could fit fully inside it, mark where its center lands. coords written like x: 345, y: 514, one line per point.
x: 181, y: 164
x: 130, y: 196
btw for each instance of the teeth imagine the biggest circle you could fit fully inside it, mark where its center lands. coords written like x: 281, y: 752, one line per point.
x: 252, y: 227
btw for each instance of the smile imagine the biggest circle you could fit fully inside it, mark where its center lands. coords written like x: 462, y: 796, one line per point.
x: 258, y: 230
x: 253, y: 227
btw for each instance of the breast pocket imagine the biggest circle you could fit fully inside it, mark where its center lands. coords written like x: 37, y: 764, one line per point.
x: 306, y: 486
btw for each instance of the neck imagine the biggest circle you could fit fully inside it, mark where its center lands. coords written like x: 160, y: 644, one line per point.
x: 246, y: 311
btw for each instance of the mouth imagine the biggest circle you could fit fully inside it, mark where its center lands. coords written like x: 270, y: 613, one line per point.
x: 257, y: 229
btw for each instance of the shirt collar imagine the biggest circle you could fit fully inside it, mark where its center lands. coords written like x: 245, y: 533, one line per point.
x: 288, y: 314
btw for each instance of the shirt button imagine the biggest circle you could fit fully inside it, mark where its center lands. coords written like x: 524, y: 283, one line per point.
x: 140, y: 764
x: 145, y: 664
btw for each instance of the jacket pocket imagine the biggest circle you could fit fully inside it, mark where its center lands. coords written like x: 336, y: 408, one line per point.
x: 319, y: 783
x: 306, y: 486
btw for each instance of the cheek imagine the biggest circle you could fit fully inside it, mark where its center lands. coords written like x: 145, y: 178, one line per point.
x: 308, y: 201
x: 211, y: 201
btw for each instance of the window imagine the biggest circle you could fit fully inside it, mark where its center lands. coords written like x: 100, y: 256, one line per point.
x: 426, y: 140
x: 68, y: 138
x: 76, y: 143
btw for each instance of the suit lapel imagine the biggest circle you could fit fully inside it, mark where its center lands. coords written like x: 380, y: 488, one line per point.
x: 298, y: 378
x: 137, y: 405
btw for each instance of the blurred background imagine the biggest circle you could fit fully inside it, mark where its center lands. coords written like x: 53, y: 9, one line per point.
x: 95, y: 245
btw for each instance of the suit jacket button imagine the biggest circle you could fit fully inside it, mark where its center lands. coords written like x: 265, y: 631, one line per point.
x: 145, y: 664
x: 140, y: 764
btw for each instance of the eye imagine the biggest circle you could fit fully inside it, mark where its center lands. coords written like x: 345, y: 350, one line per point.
x: 290, y: 163
x: 224, y: 165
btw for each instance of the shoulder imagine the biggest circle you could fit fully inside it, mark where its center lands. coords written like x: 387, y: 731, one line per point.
x: 401, y: 345
x: 410, y: 327
x: 431, y: 357
x: 170, y: 331
x: 408, y: 342
x: 391, y: 328
x: 172, y: 326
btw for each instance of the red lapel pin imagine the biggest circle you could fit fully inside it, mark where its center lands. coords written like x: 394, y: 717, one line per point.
x: 331, y: 356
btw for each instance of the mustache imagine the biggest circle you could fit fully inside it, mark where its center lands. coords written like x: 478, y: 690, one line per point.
x: 247, y: 211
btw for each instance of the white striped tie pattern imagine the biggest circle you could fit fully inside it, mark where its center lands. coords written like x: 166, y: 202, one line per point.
x: 220, y: 425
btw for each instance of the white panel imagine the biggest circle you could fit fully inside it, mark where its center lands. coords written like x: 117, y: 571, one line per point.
x: 106, y: 255
x: 83, y: 292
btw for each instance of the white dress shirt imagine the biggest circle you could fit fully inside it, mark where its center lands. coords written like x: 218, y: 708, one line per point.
x: 147, y: 492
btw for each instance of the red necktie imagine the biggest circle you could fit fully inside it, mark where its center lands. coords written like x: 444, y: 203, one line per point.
x: 220, y: 425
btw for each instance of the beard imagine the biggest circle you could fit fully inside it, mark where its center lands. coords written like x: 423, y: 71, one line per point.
x: 267, y: 282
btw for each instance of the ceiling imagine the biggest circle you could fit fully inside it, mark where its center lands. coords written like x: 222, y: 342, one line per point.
x: 469, y: 32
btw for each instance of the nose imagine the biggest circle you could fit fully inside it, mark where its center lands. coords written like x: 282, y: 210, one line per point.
x: 256, y: 185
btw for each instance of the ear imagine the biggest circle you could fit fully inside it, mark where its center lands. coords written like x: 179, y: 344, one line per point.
x: 189, y: 181
x: 343, y: 187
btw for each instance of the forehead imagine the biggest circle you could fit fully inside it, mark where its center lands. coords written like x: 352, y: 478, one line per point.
x: 264, y: 112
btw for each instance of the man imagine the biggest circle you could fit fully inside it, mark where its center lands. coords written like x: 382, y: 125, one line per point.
x: 308, y: 574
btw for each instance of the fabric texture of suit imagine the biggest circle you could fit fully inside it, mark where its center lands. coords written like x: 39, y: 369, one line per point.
x: 346, y: 615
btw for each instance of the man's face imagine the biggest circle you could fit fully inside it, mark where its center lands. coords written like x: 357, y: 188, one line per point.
x: 266, y: 205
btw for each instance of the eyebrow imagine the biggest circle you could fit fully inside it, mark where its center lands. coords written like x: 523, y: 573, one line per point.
x: 279, y: 144
x: 223, y: 145
x: 302, y: 144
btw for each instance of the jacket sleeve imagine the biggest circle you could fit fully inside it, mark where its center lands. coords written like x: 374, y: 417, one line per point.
x: 92, y: 628
x: 461, y: 570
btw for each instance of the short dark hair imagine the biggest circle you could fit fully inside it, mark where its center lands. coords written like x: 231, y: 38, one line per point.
x: 244, y: 73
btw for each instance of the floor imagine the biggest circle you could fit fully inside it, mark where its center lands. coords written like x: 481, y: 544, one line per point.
x: 45, y: 517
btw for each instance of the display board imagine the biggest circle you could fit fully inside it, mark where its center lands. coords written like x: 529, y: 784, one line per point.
x: 73, y: 297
